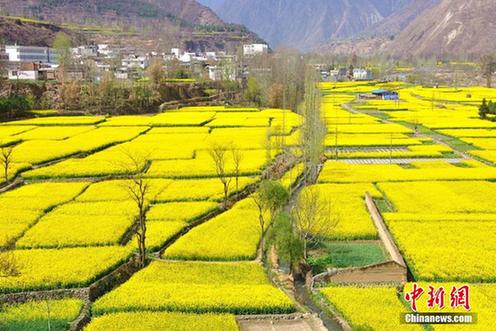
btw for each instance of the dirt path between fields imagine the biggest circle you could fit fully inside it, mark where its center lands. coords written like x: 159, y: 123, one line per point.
x: 435, y: 136
x: 307, y: 323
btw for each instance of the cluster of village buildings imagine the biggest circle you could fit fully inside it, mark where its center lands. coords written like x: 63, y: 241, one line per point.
x: 41, y: 63
x: 344, y: 74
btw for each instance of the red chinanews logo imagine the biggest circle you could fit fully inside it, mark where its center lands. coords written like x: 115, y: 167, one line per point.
x: 436, y: 297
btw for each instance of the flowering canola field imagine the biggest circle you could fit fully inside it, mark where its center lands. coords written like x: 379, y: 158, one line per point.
x: 239, y: 288
x: 427, y: 160
x: 433, y: 181
x: 69, y: 224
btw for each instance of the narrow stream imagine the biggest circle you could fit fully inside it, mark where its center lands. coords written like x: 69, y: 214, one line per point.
x: 304, y: 296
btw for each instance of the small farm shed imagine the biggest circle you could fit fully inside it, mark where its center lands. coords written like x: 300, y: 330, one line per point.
x: 385, y: 94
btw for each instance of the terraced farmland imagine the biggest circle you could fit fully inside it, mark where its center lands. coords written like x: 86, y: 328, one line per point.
x: 67, y: 218
x: 434, y: 196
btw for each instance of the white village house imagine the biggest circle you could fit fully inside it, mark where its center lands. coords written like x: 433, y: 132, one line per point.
x: 32, y: 71
x: 361, y: 74
x: 136, y: 61
x: 30, y: 62
x: 255, y: 49
x: 221, y: 73
x: 36, y: 54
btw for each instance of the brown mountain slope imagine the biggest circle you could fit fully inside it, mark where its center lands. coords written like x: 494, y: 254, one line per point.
x: 192, y: 11
x: 22, y: 32
x: 144, y: 24
x: 453, y: 28
x: 105, y: 11
x: 367, y: 46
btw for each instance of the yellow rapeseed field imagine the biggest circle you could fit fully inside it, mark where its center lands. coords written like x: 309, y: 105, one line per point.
x: 441, y: 197
x: 21, y: 208
x: 70, y: 222
x: 181, y: 211
x: 348, y: 207
x: 233, y: 235
x: 33, y: 315
x: 340, y: 172
x: 61, y: 268
x: 239, y: 288
x: 152, y: 321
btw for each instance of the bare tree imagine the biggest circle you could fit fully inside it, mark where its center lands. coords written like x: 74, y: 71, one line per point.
x: 314, y: 217
x: 70, y: 93
x: 314, y: 129
x: 237, y: 157
x: 3, y: 65
x: 6, y: 159
x: 9, y: 266
x: 287, y: 67
x: 275, y: 97
x: 106, y: 92
x: 260, y: 203
x: 138, y: 188
x: 488, y: 67
x: 218, y: 153
x: 156, y: 71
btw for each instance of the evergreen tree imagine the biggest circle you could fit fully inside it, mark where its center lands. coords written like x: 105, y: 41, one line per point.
x: 491, y: 108
x: 483, y: 109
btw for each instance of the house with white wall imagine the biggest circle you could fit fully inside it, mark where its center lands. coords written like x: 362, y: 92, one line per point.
x: 31, y: 71
x: 31, y: 54
x: 255, y: 49
x: 135, y: 62
x: 361, y: 74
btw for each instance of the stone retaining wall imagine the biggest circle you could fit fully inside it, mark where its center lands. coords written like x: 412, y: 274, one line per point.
x: 393, y: 271
x: 383, y: 231
x: 23, y: 297
x: 387, y: 272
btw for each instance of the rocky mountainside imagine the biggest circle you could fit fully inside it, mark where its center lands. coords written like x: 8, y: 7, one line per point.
x: 306, y: 24
x: 166, y: 22
x: 212, y: 4
x: 452, y: 28
x: 402, y: 27
x: 400, y: 18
